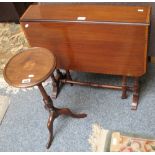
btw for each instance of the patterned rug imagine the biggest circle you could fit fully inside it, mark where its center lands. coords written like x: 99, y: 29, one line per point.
x: 12, y: 41
x: 4, y: 103
x: 103, y: 140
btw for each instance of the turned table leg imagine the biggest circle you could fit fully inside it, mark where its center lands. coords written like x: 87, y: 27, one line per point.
x: 124, y: 87
x: 54, y: 113
x: 68, y: 76
x: 55, y: 85
x: 59, y: 74
x: 135, y: 94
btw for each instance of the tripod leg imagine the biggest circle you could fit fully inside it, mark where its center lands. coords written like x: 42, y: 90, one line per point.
x: 68, y: 112
x: 54, y: 113
x: 51, y: 119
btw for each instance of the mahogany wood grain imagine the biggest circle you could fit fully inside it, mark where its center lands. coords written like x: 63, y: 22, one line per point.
x: 98, y: 48
x: 92, y: 12
x: 28, y: 68
x: 111, y: 40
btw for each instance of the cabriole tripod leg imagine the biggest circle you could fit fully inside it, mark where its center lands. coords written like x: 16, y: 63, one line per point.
x: 51, y: 119
x: 54, y: 113
x: 68, y: 112
x: 48, y: 104
x: 135, y: 94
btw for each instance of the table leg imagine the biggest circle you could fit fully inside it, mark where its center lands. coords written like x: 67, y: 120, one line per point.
x: 135, y: 94
x: 68, y: 76
x: 59, y: 74
x: 52, y: 116
x: 124, y: 87
x: 54, y: 113
x: 55, y: 85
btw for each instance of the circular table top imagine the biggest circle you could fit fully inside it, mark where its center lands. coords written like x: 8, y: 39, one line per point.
x: 30, y: 67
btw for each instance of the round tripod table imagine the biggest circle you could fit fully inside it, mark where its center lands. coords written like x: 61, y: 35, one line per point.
x: 30, y: 68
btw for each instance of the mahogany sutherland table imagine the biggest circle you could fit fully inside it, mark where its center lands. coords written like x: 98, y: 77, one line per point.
x: 92, y: 38
x: 30, y: 68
